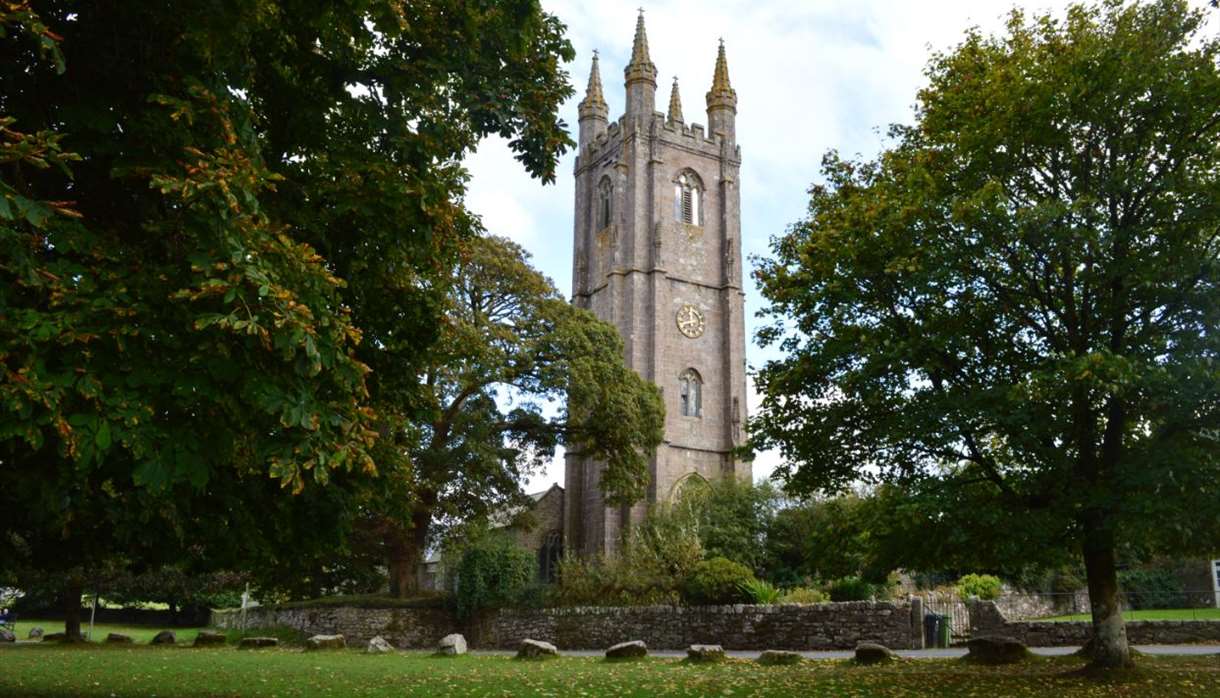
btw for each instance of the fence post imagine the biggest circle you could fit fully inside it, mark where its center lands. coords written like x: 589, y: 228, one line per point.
x: 917, y: 642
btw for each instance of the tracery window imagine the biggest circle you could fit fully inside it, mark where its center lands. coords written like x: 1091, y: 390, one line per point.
x: 690, y: 392
x: 688, y: 199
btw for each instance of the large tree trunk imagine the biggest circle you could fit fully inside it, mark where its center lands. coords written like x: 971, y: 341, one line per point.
x: 1108, y: 648
x: 70, y: 603
x: 405, y: 549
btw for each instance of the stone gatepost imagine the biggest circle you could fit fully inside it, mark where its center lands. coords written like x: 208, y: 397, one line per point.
x: 917, y: 639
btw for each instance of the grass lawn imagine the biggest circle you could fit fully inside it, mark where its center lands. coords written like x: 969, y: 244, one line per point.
x: 1153, y: 614
x: 140, y: 633
x: 92, y: 671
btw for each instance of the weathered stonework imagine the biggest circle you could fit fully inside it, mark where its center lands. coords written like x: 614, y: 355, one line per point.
x: 405, y: 628
x: 638, y: 262
x: 986, y: 619
x: 787, y: 627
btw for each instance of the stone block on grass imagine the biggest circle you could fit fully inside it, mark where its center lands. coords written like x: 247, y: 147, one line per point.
x: 633, y: 649
x: 250, y: 643
x: 326, y: 642
x: 451, y: 645
x: 873, y: 653
x: 7, y: 635
x: 165, y: 637
x: 118, y: 639
x: 996, y: 649
x: 35, y: 633
x: 378, y: 645
x: 536, y: 649
x: 207, y: 638
x: 54, y: 637
x: 779, y: 657
x: 705, y: 654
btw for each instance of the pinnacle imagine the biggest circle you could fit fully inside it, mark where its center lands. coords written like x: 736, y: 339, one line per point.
x: 641, y: 66
x: 639, y: 48
x: 594, y: 103
x: 722, y: 93
x: 675, y: 104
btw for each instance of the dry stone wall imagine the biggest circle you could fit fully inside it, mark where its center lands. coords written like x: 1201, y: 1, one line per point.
x: 987, y: 619
x: 795, y: 627
x: 405, y: 628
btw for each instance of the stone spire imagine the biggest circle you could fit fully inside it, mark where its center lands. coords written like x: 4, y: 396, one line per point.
x: 722, y: 102
x: 722, y: 94
x: 675, y: 104
x: 592, y: 110
x: 640, y: 73
x: 594, y: 103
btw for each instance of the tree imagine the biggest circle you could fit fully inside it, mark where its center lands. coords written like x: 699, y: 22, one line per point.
x: 510, y: 348
x: 1016, y: 305
x: 821, y: 540
x: 732, y: 518
x: 214, y: 223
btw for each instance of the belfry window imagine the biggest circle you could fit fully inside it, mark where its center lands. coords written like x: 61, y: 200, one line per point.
x: 690, y: 392
x: 605, y: 197
x: 688, y: 206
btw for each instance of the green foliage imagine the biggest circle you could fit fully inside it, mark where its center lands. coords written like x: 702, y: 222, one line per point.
x: 732, y: 517
x: 175, y: 586
x: 1010, y: 313
x: 508, y: 331
x: 804, y: 595
x: 493, y: 572
x: 651, y: 569
x: 851, y: 589
x: 981, y: 586
x: 1152, y: 587
x: 718, y: 581
x: 823, y: 539
x: 761, y: 592
x: 226, y: 291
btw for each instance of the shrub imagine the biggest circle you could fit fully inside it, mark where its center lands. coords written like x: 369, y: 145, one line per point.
x: 718, y: 581
x: 983, y: 586
x: 803, y: 595
x: 1152, y: 588
x: 850, y: 589
x: 492, y: 572
x: 651, y: 569
x: 761, y: 592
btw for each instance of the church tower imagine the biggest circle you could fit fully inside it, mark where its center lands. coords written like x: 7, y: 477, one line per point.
x: 658, y: 254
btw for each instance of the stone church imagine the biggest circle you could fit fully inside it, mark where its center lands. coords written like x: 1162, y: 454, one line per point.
x: 657, y: 253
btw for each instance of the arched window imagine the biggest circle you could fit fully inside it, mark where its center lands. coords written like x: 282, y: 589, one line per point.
x: 605, y: 201
x: 688, y: 199
x: 690, y: 391
x: 549, y: 556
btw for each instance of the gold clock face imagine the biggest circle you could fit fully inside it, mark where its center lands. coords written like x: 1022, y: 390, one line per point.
x: 690, y: 321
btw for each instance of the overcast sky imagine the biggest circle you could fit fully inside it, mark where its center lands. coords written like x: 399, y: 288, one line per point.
x: 810, y: 76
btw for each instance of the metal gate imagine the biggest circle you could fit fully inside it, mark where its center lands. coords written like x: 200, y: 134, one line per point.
x: 954, y: 610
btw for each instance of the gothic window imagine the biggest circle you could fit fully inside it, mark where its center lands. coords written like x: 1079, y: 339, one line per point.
x: 688, y: 199
x: 549, y: 556
x: 690, y: 392
x: 605, y: 197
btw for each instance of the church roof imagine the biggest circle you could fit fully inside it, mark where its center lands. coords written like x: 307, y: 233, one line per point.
x: 503, y: 518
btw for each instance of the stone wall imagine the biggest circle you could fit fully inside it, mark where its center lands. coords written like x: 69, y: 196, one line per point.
x: 796, y: 627
x: 987, y: 619
x: 405, y: 628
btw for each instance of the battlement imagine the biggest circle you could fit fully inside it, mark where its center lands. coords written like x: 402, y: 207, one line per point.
x: 692, y: 136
